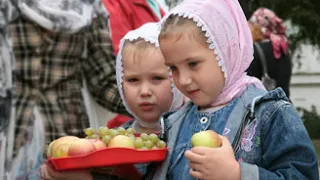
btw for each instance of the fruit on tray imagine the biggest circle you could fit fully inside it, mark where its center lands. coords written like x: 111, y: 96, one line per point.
x: 207, y: 138
x: 81, y: 147
x: 56, y: 145
x: 98, y: 144
x: 121, y: 141
x: 101, y: 139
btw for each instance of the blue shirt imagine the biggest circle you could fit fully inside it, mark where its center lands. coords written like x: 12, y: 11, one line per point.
x: 194, y: 122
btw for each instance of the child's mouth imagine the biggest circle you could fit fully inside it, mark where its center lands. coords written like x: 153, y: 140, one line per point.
x: 193, y: 92
x: 147, y: 106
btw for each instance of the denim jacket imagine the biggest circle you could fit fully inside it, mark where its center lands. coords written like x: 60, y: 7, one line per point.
x: 274, y: 145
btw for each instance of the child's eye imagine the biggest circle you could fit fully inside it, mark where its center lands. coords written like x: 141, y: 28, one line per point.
x: 193, y: 64
x: 132, y: 80
x: 157, y: 78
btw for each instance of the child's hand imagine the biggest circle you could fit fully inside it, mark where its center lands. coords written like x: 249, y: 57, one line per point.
x: 213, y: 163
x: 47, y: 173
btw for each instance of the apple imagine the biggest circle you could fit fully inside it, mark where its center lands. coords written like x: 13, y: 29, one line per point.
x: 207, y: 138
x: 63, y: 140
x: 121, y: 141
x: 61, y: 151
x: 49, y: 154
x: 98, y: 144
x: 81, y: 147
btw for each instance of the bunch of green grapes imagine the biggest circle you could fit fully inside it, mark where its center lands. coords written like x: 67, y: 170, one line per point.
x: 143, y: 142
x: 151, y: 141
x: 105, y: 134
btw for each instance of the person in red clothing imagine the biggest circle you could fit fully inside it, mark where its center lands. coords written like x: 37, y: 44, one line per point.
x: 127, y: 15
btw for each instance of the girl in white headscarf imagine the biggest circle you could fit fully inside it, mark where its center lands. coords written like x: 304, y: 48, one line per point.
x: 144, y: 80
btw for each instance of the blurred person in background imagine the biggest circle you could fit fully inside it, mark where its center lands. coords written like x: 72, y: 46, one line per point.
x: 269, y: 32
x: 6, y: 89
x: 58, y: 45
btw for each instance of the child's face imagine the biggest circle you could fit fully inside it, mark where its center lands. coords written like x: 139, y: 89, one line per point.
x: 194, y: 67
x: 146, y: 83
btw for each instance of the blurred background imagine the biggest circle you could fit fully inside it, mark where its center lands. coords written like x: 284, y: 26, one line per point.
x: 302, y: 18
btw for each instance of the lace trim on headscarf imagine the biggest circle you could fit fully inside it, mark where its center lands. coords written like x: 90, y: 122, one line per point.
x: 203, y: 27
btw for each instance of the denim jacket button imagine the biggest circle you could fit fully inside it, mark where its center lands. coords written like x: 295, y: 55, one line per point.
x: 203, y: 120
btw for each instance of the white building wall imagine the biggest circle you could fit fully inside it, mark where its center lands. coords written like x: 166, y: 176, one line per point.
x: 305, y: 82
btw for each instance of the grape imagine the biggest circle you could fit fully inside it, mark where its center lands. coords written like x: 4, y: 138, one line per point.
x: 154, y: 138
x: 133, y: 137
x: 154, y: 147
x: 113, y: 132
x: 93, y: 136
x: 89, y: 131
x: 103, y: 131
x: 106, y: 139
x: 144, y: 136
x: 143, y: 148
x: 149, y: 144
x: 138, y: 143
x: 161, y: 144
x: 130, y: 131
x: 121, y: 131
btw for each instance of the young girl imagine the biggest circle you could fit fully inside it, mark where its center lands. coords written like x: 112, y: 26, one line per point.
x: 144, y: 84
x: 143, y: 79
x: 208, y: 46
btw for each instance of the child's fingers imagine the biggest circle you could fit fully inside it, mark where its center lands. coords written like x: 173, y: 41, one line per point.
x: 196, y: 174
x: 225, y: 142
x: 201, y: 150
x: 196, y: 158
x: 195, y: 166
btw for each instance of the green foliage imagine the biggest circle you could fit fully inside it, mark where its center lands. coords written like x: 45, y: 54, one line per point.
x: 311, y: 120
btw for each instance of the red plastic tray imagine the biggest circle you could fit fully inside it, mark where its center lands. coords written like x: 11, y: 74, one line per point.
x: 108, y: 157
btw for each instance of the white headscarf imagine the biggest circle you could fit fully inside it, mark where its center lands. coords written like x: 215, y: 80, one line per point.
x: 61, y: 15
x: 148, y: 32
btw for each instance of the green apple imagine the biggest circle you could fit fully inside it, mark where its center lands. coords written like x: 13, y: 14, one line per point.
x: 207, y: 138
x: 121, y: 141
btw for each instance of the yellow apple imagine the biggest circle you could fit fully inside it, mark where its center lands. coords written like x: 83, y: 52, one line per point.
x: 121, y: 141
x: 49, y: 154
x: 207, y: 138
x: 61, y: 151
x: 63, y: 140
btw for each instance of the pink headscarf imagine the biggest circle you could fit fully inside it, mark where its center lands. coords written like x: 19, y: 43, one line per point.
x: 229, y: 36
x: 273, y: 28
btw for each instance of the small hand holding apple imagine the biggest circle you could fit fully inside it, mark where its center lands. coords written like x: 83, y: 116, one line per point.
x: 212, y: 157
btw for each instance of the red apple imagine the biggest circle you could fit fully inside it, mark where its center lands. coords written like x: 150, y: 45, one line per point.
x: 207, y: 138
x: 63, y: 140
x: 81, y: 147
x: 98, y: 144
x: 121, y: 141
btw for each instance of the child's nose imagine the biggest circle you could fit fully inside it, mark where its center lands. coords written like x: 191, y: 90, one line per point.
x: 184, y: 80
x: 145, y: 90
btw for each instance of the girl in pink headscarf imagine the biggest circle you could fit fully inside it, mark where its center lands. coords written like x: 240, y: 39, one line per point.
x: 208, y: 46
